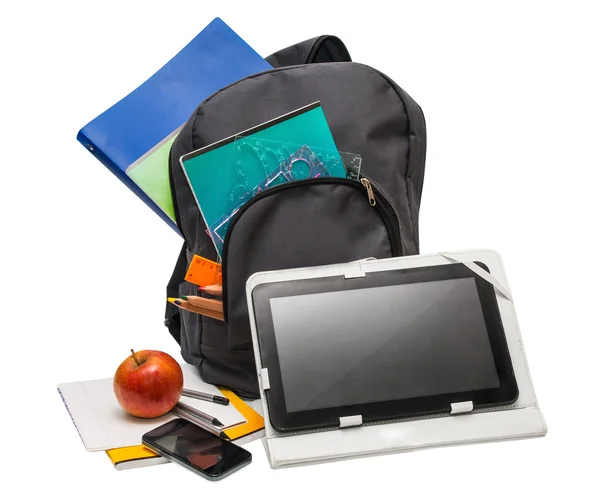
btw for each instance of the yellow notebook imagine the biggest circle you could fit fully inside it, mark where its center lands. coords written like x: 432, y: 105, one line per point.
x: 254, y: 426
x: 138, y: 456
x: 135, y: 456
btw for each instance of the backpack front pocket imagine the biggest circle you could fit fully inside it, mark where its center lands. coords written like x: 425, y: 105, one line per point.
x: 301, y: 224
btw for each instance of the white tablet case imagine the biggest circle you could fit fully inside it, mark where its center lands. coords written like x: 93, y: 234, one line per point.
x: 522, y: 419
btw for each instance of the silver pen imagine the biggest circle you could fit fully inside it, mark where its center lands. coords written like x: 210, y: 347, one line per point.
x: 222, y: 400
x: 179, y: 412
x: 202, y: 415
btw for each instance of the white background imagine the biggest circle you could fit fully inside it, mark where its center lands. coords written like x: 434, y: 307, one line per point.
x: 511, y: 98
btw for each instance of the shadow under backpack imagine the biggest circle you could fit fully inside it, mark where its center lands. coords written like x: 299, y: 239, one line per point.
x: 368, y: 114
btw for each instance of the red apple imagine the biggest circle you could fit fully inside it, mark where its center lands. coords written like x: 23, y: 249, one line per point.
x: 148, y: 383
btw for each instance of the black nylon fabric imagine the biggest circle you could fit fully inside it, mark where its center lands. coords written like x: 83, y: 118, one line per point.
x: 368, y: 114
x: 299, y: 226
x: 172, y: 316
x: 324, y: 49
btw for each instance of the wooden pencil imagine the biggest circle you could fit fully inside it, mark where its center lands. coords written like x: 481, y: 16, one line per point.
x: 212, y: 289
x: 215, y: 305
x: 182, y: 304
x: 218, y: 315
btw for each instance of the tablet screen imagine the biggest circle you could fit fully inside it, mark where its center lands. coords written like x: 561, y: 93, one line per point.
x: 390, y: 344
x: 381, y: 344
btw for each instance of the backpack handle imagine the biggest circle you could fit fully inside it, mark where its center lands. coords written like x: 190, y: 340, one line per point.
x: 323, y: 49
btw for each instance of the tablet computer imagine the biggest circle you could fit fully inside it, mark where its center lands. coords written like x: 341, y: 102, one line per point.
x: 392, y: 344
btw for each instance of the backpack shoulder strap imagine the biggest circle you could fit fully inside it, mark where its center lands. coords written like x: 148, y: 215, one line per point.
x: 172, y: 316
x: 323, y: 49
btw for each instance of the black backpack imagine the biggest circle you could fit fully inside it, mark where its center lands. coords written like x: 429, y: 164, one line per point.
x: 303, y: 223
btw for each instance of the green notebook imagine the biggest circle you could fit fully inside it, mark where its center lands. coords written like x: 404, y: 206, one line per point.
x: 150, y: 175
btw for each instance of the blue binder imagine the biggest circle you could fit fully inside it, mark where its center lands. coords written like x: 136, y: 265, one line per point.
x: 150, y: 115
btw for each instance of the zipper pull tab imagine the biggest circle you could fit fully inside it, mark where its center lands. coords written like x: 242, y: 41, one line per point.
x: 367, y: 185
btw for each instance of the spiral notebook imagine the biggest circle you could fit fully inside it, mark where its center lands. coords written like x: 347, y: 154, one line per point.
x: 102, y: 423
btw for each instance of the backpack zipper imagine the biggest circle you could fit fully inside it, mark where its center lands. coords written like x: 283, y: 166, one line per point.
x: 386, y: 213
x: 375, y: 198
x: 367, y: 185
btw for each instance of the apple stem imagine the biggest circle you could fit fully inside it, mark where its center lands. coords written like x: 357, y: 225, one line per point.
x: 135, y: 358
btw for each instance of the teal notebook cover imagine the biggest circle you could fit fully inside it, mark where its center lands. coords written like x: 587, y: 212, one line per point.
x: 219, y: 180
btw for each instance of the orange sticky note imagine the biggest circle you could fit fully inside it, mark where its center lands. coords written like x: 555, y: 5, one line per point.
x: 204, y: 272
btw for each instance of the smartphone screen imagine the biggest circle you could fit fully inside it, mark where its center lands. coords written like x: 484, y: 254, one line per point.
x: 197, y: 449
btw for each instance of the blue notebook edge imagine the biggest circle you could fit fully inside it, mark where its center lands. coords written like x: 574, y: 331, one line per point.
x: 121, y: 171
x: 122, y: 175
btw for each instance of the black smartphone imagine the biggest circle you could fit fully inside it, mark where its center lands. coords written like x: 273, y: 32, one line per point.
x: 196, y: 449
